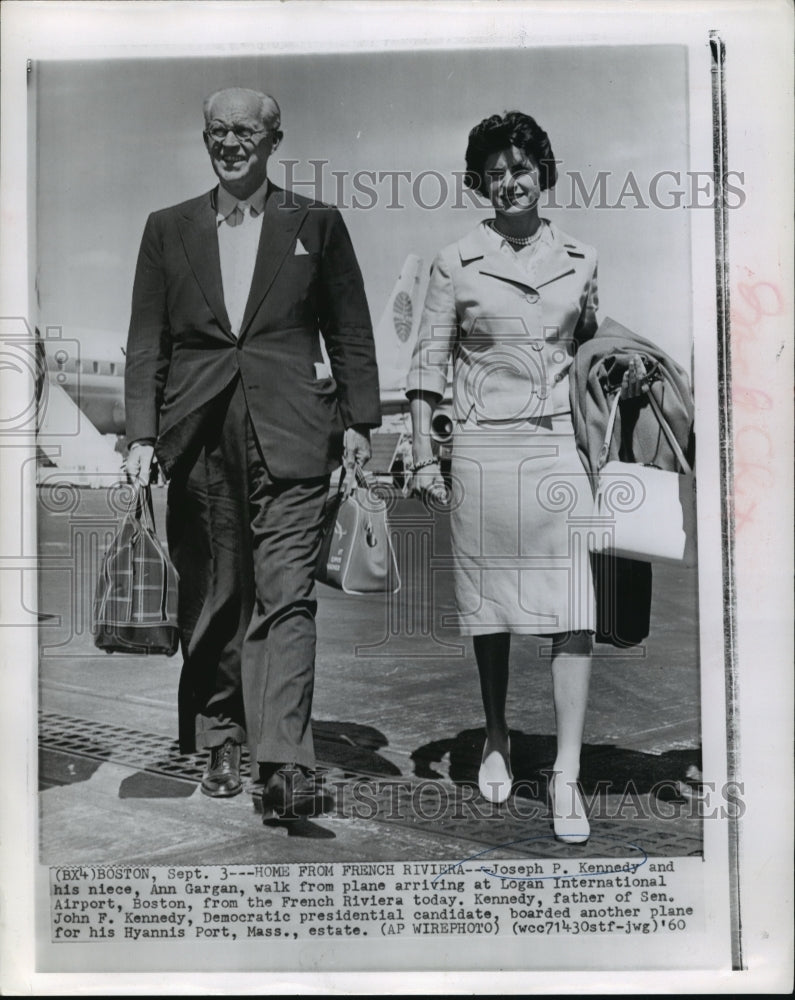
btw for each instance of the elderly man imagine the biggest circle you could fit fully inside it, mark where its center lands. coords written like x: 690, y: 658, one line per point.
x: 226, y: 382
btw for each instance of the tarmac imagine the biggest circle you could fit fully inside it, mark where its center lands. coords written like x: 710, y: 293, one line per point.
x: 397, y: 722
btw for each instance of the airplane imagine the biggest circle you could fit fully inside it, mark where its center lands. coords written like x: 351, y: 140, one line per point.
x: 82, y: 419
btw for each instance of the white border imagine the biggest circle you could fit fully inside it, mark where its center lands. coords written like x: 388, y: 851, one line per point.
x: 759, y: 57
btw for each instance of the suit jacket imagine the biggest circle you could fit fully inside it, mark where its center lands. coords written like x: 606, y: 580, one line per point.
x: 181, y: 353
x: 512, y: 332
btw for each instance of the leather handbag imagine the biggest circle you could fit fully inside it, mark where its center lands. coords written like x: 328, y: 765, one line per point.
x: 356, y: 554
x: 643, y: 512
x: 135, y: 602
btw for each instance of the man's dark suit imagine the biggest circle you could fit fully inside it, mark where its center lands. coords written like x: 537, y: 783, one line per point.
x: 220, y: 406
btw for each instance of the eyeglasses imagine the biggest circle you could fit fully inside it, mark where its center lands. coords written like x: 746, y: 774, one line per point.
x: 241, y: 132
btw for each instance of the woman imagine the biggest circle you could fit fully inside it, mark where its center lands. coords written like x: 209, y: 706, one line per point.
x: 511, y: 302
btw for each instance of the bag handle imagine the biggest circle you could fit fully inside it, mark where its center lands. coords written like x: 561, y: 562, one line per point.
x: 666, y: 429
x: 611, y: 422
x: 358, y: 476
x: 141, y: 507
x: 361, y: 482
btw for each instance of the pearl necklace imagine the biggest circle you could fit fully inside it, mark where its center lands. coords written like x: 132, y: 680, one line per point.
x: 519, y: 241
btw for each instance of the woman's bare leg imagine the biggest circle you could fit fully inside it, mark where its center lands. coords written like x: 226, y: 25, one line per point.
x: 571, y: 673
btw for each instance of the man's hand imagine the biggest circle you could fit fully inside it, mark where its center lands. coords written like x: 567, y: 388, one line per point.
x: 139, y: 463
x: 357, y: 452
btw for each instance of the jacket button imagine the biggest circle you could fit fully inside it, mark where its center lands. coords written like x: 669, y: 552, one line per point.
x: 542, y: 391
x: 532, y: 296
x: 537, y: 345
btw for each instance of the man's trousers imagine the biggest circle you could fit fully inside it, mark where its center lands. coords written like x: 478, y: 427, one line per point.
x: 245, y: 546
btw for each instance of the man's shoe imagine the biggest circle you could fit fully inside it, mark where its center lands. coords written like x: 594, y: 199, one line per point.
x: 221, y: 778
x: 293, y: 791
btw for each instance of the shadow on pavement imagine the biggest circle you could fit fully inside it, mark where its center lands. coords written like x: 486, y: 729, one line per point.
x: 304, y: 828
x: 143, y: 785
x: 606, y: 770
x: 352, y: 746
x: 57, y: 769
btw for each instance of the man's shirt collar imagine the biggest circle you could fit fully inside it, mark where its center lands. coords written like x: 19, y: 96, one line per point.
x: 226, y: 203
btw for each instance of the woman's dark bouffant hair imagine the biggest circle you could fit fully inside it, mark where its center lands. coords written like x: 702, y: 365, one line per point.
x: 511, y: 129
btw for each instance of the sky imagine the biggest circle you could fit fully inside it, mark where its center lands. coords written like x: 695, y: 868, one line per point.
x: 117, y: 139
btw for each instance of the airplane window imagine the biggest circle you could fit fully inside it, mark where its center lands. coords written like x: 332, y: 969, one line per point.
x: 113, y: 367
x: 95, y: 366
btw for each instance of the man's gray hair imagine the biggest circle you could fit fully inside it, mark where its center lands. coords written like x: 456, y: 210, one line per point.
x: 269, y: 109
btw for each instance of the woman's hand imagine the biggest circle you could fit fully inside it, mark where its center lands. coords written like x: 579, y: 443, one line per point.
x: 428, y: 480
x: 425, y: 474
x: 634, y: 382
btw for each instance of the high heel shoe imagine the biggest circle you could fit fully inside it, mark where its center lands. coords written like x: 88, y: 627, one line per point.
x: 494, y: 777
x: 569, y: 820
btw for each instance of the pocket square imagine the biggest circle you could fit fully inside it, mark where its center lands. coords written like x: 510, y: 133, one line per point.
x: 300, y: 248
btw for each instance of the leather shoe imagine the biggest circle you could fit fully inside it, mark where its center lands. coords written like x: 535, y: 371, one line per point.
x: 292, y: 791
x: 221, y: 778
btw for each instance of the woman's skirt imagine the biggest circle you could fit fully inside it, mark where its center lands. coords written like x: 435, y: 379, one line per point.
x: 519, y: 524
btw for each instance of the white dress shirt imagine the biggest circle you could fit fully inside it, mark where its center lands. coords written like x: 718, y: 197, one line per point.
x: 239, y: 225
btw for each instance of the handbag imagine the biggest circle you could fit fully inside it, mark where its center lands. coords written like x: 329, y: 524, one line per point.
x: 643, y: 512
x: 356, y: 554
x: 135, y: 602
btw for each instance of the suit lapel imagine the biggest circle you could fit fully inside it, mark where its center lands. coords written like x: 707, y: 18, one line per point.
x: 556, y: 264
x: 199, y: 236
x: 500, y: 265
x: 281, y: 221
x: 553, y: 265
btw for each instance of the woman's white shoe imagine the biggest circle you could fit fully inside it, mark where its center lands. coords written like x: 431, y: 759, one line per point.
x: 494, y: 777
x: 569, y: 820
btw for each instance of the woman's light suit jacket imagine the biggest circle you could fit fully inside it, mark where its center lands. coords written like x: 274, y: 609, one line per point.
x: 512, y: 332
